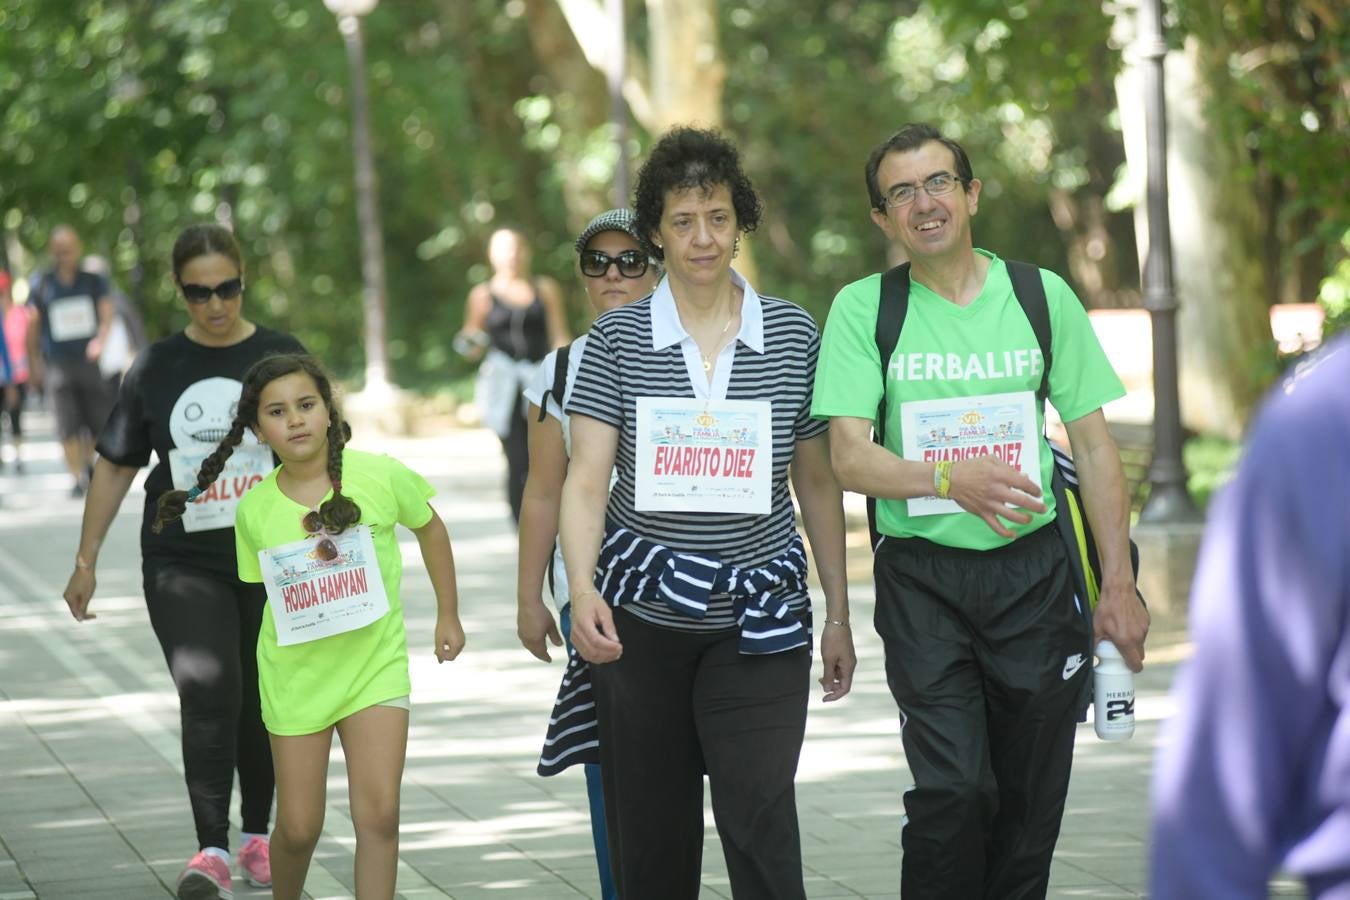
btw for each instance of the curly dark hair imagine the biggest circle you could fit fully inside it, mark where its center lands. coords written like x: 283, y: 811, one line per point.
x: 337, y: 512
x: 912, y: 136
x: 687, y: 158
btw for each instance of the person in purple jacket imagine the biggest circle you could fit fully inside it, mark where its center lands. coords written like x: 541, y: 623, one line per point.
x: 1255, y: 774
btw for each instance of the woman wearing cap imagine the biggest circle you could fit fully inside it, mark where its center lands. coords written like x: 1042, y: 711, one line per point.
x: 688, y: 590
x: 511, y: 321
x: 615, y: 271
x: 177, y: 401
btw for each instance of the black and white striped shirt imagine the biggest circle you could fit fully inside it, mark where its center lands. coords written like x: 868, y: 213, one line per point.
x: 642, y: 350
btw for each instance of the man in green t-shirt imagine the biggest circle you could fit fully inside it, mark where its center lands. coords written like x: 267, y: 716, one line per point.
x: 987, y: 646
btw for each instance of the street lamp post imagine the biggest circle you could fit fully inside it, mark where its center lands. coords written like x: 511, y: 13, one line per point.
x: 1168, y: 500
x: 618, y: 109
x: 349, y: 14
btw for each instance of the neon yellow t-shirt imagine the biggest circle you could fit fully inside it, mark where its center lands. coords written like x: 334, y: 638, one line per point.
x: 948, y: 351
x: 307, y: 687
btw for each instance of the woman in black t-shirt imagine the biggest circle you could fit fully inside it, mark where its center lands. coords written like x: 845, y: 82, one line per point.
x: 177, y: 400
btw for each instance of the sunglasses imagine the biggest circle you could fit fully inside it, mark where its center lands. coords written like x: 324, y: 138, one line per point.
x: 201, y: 293
x: 313, y: 525
x: 631, y: 263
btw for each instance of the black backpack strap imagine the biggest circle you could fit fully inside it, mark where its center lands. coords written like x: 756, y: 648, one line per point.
x: 1030, y: 292
x: 891, y: 310
x: 559, y: 387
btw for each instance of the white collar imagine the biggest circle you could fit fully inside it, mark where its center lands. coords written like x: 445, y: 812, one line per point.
x: 667, y: 329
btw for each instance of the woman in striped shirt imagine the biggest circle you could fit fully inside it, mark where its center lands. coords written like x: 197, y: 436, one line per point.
x: 697, y: 625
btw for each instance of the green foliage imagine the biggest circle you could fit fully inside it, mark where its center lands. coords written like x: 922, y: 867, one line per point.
x: 1280, y: 74
x: 1209, y: 462
x: 1335, y: 293
x: 133, y: 118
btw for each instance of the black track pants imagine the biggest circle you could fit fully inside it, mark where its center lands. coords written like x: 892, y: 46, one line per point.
x: 207, y: 626
x: 987, y: 656
x: 677, y: 704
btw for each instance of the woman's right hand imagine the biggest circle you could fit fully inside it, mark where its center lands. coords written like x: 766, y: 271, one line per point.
x: 79, y: 591
x: 535, y: 628
x: 593, y: 632
x: 470, y: 344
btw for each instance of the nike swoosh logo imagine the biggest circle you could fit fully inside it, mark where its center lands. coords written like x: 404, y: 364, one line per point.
x: 1072, y: 665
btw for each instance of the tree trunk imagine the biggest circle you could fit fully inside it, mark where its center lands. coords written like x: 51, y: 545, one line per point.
x: 1223, y: 326
x: 580, y: 110
x: 687, y: 73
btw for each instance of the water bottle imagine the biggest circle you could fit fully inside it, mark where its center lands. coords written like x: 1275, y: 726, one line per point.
x: 1113, y: 695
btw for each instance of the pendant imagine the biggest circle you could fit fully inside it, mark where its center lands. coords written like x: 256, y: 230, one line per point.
x: 707, y: 364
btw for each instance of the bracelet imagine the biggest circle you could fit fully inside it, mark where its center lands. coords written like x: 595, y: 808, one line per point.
x: 942, y: 478
x: 842, y: 623
x: 81, y: 564
x: 588, y: 592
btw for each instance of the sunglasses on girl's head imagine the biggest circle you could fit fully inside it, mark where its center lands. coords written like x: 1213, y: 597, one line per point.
x: 313, y: 525
x: 631, y: 263
x: 201, y: 293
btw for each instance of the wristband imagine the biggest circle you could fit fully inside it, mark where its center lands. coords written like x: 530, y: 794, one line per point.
x: 942, y: 478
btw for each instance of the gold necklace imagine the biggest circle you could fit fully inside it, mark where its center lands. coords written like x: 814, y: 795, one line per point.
x: 707, y: 358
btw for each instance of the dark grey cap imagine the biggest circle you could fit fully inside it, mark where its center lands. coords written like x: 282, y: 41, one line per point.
x: 611, y: 220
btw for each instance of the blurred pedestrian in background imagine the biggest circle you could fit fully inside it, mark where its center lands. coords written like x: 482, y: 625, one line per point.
x: 15, y: 321
x: 510, y: 322
x: 72, y: 314
x: 126, y: 334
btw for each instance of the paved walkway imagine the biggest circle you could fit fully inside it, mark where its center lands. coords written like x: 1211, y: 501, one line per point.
x: 91, y: 798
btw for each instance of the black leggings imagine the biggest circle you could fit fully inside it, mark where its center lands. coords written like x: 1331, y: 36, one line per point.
x: 14, y: 411
x: 516, y: 446
x: 207, y: 625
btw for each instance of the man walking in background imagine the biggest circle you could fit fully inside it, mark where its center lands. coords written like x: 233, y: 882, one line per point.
x: 72, y: 314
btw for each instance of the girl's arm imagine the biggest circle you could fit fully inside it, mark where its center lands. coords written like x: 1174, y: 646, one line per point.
x: 538, y: 530
x: 440, y: 562
x: 107, y: 489
x: 585, y: 495
x: 822, y: 506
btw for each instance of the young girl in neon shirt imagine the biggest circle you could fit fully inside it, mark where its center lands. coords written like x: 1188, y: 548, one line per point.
x: 319, y: 532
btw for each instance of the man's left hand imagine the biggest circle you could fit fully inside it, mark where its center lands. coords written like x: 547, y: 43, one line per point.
x: 1120, y: 617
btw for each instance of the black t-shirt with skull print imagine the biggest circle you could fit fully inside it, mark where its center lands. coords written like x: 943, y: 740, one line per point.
x: 178, y: 400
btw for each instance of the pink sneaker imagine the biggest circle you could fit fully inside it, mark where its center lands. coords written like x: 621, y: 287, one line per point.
x: 206, y: 877
x: 255, y: 861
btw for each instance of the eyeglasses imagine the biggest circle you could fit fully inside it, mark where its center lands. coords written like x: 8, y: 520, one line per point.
x: 313, y: 525
x: 936, y: 186
x: 631, y: 263
x: 198, y: 294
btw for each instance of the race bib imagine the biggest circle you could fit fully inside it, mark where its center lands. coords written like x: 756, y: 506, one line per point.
x: 214, y: 508
x: 704, y: 455
x: 312, y: 597
x: 72, y: 318
x: 999, y: 425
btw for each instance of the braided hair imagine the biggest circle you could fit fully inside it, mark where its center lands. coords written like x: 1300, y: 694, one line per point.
x: 336, y: 513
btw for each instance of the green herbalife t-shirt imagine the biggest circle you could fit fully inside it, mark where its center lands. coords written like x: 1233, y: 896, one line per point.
x: 307, y: 687
x: 949, y: 352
